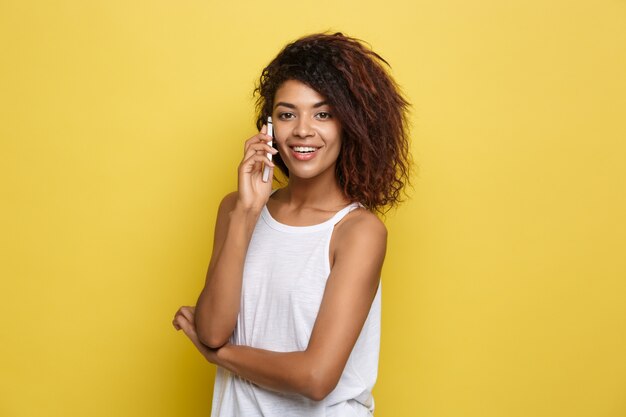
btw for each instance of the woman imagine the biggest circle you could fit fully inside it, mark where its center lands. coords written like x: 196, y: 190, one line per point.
x: 290, y: 311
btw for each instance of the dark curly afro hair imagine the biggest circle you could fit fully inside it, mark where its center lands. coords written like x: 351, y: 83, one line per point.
x: 374, y: 163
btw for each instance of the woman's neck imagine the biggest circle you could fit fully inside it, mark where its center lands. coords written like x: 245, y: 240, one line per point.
x: 321, y: 193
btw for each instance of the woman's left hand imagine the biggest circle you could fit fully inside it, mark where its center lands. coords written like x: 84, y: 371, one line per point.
x: 184, y: 319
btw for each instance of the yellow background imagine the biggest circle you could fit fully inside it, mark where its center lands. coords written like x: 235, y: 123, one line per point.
x: 121, y: 125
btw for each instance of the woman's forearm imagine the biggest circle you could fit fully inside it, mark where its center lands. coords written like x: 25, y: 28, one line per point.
x: 292, y: 372
x: 300, y: 372
x: 218, y: 305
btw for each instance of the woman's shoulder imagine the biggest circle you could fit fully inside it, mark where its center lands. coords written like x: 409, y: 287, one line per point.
x: 229, y: 201
x: 359, y: 234
x: 226, y: 206
x: 360, y: 223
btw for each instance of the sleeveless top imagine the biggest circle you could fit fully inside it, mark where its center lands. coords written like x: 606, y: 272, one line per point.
x: 284, y: 277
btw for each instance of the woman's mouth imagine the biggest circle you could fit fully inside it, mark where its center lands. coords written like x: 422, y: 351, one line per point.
x: 304, y: 153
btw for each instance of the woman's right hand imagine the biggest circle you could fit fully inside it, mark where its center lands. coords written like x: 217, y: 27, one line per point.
x: 253, y: 193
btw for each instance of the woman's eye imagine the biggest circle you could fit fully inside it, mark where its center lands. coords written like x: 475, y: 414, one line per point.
x: 285, y: 116
x: 324, y: 115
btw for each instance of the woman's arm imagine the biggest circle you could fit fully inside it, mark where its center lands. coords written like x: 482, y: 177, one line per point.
x: 360, y: 244
x: 218, y: 304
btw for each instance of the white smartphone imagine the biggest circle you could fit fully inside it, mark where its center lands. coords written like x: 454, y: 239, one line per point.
x: 270, y: 132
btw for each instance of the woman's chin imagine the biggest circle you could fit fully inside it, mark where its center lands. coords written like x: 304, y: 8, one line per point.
x: 309, y: 173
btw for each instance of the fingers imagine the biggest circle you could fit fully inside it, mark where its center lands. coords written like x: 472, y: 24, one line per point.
x: 181, y: 322
x: 184, y: 320
x: 260, y: 138
x: 184, y: 324
x: 186, y: 313
x: 253, y: 163
x: 178, y: 321
x: 190, y: 332
x: 175, y: 321
x: 188, y: 329
x: 256, y: 150
x: 189, y: 314
x: 259, y: 149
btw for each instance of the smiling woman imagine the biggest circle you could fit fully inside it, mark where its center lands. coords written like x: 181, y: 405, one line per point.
x: 290, y: 310
x: 305, y: 131
x: 375, y: 161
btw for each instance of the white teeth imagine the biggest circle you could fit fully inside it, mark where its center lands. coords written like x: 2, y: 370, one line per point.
x: 304, y: 149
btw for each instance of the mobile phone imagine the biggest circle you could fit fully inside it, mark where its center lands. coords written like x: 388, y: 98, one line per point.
x: 270, y: 132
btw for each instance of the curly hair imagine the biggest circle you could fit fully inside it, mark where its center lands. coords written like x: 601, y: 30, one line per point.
x: 374, y: 162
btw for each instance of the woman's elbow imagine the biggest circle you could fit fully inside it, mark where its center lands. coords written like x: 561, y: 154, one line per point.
x: 211, y: 339
x: 213, y: 343
x: 321, y: 384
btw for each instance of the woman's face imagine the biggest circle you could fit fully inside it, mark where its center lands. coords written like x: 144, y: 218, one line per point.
x: 307, y: 133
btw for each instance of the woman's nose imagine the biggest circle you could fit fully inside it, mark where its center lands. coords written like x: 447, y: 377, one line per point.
x: 303, y: 128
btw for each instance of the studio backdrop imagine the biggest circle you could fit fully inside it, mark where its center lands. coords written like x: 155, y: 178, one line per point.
x: 121, y: 127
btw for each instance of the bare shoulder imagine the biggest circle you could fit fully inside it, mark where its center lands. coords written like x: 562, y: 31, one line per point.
x: 362, y: 222
x: 227, y: 205
x: 228, y: 202
x: 361, y: 227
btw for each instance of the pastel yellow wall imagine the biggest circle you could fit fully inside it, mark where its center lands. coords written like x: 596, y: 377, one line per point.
x: 121, y: 125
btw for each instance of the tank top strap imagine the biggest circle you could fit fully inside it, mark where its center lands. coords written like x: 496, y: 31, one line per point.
x: 343, y: 212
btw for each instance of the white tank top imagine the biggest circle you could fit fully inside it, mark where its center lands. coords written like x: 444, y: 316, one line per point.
x: 284, y: 277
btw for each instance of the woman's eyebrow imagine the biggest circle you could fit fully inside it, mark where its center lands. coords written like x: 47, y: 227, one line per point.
x: 292, y: 106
